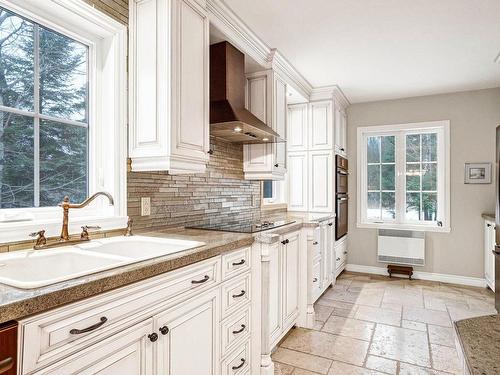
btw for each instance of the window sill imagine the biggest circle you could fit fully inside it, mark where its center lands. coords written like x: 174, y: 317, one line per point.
x: 19, y: 231
x: 273, y: 206
x: 414, y: 227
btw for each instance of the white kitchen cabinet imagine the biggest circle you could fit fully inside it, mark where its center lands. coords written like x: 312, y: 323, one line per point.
x: 340, y: 131
x: 169, y: 86
x: 297, y: 177
x: 127, y: 352
x: 330, y: 252
x: 266, y: 99
x: 290, y: 278
x: 321, y: 181
x: 340, y: 255
x: 189, y: 337
x: 297, y: 130
x: 280, y: 290
x: 155, y: 326
x: 489, y: 257
x: 321, y: 125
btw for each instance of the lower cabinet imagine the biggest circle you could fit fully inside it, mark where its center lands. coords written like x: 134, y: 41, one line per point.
x: 126, y: 352
x: 340, y: 255
x: 186, y: 332
x: 489, y: 257
x: 188, y: 321
x: 280, y: 288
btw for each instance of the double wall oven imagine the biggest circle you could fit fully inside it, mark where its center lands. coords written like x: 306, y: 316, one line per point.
x: 341, y: 197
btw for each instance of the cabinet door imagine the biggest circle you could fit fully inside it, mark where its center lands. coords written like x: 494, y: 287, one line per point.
x: 321, y: 180
x: 297, y: 127
x: 275, y: 291
x: 343, y: 133
x: 321, y: 125
x: 279, y: 120
x: 291, y: 277
x: 330, y: 250
x: 128, y: 352
x: 259, y: 159
x: 189, y: 337
x: 190, y: 80
x: 297, y: 181
x: 489, y: 258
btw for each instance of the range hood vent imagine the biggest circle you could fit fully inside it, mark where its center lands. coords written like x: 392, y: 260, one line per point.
x: 229, y: 119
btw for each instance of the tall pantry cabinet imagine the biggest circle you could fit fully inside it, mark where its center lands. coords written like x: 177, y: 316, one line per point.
x: 316, y: 132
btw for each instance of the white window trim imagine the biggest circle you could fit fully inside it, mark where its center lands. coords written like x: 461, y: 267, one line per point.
x: 277, y: 201
x: 107, y: 41
x: 443, y: 127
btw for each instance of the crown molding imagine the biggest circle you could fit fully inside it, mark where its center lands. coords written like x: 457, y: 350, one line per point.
x: 279, y: 63
x: 330, y: 92
x: 237, y: 32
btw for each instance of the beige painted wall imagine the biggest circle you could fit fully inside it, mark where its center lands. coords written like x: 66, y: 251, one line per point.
x: 473, y: 117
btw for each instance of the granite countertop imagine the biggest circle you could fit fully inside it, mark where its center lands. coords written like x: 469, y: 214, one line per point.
x: 480, y: 341
x: 488, y: 216
x: 17, y: 303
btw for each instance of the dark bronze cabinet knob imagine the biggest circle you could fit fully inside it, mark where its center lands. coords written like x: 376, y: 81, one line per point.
x: 283, y: 242
x: 164, y: 330
x: 330, y: 224
x: 153, y: 337
x: 276, y: 165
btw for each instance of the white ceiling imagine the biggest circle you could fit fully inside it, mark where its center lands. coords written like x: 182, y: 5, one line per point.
x: 383, y: 49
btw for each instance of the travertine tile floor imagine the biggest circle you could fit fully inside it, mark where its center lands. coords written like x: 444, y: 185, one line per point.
x: 370, y: 325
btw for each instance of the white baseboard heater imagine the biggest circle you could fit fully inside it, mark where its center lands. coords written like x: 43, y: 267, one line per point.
x: 401, y: 247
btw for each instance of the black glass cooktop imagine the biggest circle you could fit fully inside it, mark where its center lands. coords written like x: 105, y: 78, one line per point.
x: 245, y: 227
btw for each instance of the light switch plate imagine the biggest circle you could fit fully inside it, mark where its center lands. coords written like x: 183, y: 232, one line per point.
x: 145, y: 206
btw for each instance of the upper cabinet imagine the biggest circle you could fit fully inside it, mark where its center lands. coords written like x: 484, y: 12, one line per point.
x: 169, y: 86
x: 297, y: 127
x: 266, y: 99
x: 321, y: 125
x: 340, y: 131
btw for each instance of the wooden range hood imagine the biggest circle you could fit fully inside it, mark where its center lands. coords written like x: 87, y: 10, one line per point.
x: 229, y: 119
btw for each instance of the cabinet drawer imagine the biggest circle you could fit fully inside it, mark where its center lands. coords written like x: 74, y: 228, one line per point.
x: 316, y: 281
x: 238, y: 362
x: 235, y: 330
x: 316, y: 243
x: 235, y: 263
x: 58, y: 333
x: 340, y: 253
x: 235, y: 294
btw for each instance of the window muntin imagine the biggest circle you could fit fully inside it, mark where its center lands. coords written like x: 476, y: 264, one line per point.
x: 404, y: 177
x: 44, y: 132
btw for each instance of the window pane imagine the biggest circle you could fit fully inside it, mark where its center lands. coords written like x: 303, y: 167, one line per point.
x: 373, y: 206
x: 429, y: 176
x: 413, y: 206
x: 413, y: 177
x: 429, y: 147
x: 388, y: 154
x: 63, y: 76
x: 388, y: 177
x: 63, y: 163
x: 429, y: 206
x: 412, y: 147
x: 16, y: 61
x: 16, y: 161
x: 373, y: 148
x: 374, y: 177
x: 267, y: 189
x: 389, y: 206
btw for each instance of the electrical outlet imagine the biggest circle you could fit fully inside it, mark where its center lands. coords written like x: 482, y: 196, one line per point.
x: 145, y: 206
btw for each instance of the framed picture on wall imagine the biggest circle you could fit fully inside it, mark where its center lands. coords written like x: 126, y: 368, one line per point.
x: 478, y: 173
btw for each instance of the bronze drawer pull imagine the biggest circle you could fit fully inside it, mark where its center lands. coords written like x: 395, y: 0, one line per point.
x: 243, y: 361
x: 75, y: 331
x: 205, y: 279
x: 315, y: 243
x: 337, y: 259
x: 240, y: 330
x: 241, y: 262
x: 239, y: 295
x: 6, y: 364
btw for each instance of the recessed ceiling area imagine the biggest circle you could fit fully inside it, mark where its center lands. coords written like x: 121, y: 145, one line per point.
x: 376, y: 50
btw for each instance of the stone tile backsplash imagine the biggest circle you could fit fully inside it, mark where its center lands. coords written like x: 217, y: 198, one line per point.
x: 218, y: 195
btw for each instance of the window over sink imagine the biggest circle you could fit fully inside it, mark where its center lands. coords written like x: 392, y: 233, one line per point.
x: 403, y: 176
x: 44, y: 122
x: 62, y: 115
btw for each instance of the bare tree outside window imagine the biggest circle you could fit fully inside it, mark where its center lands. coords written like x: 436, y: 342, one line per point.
x: 43, y: 115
